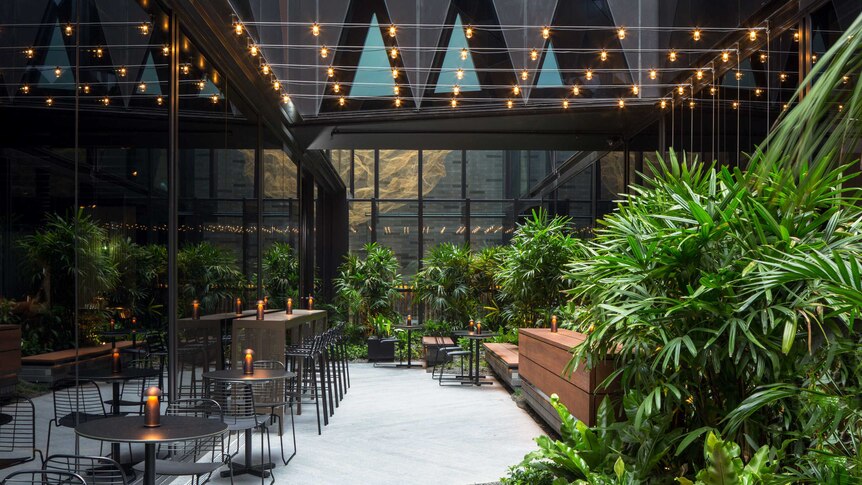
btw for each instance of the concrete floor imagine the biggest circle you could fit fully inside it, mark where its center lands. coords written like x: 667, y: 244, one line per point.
x: 394, y: 426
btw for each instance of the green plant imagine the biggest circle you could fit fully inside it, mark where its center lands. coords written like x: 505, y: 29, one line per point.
x: 531, y: 273
x: 208, y: 274
x: 140, y: 269
x: 445, y: 283
x: 367, y: 287
x: 438, y: 328
x: 281, y: 272
x: 381, y: 326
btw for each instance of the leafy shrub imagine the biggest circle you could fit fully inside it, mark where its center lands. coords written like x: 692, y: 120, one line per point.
x: 367, y: 287
x: 444, y: 283
x: 281, y: 273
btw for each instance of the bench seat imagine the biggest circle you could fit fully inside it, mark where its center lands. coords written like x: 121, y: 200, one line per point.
x: 430, y: 344
x: 503, y: 360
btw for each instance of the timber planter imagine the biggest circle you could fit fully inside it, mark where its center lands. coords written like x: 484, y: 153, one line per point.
x: 542, y: 357
x: 381, y: 350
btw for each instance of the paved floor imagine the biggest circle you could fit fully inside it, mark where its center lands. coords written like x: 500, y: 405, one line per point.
x: 394, y: 426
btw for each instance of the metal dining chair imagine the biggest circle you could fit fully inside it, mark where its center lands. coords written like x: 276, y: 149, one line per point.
x: 18, y: 432
x: 43, y: 477
x: 273, y: 395
x: 75, y: 404
x: 306, y: 360
x: 95, y: 470
x: 132, y: 392
x: 185, y: 458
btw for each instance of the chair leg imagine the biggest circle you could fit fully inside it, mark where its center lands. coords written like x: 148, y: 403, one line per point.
x: 316, y: 397
x: 323, y: 385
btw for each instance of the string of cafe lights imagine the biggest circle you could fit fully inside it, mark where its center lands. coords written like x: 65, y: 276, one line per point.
x: 201, y: 228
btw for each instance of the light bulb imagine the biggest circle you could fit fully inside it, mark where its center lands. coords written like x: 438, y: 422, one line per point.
x: 144, y: 28
x: 454, y: 103
x: 468, y: 32
x: 738, y: 75
x: 252, y: 49
x: 840, y: 108
x: 201, y: 85
x: 106, y: 101
x: 86, y: 88
x: 49, y: 101
x: 546, y: 32
x: 796, y: 36
x: 725, y: 56
x: 516, y: 90
x: 58, y: 71
x: 122, y: 71
x: 456, y: 90
x: 330, y: 71
x: 29, y: 53
x: 99, y: 52
x: 621, y: 103
x: 324, y: 52
x: 681, y: 89
x: 186, y: 68
x: 635, y: 89
x: 845, y: 79
x: 784, y: 107
x: 699, y: 74
x: 397, y: 102
x: 166, y: 50
x: 459, y: 73
x: 653, y: 74
x: 576, y: 90
x: 603, y: 55
x: 276, y: 85
x: 782, y: 76
x: 663, y: 104
x: 68, y: 30
x: 393, y: 52
x: 396, y: 89
x: 534, y: 54
x: 265, y: 68
x: 696, y: 35
x: 392, y: 30
x: 160, y: 100
x: 525, y: 74
x: 712, y: 90
x: 315, y: 29
x: 752, y: 35
x: 142, y: 87
x: 464, y: 54
x: 589, y: 75
x: 510, y: 103
x: 237, y: 28
x: 214, y: 98
x: 336, y: 88
x: 394, y: 73
x: 621, y: 33
x: 342, y: 101
x: 25, y: 89
x: 762, y: 57
x: 735, y: 104
x: 691, y: 104
x: 672, y: 56
x: 285, y: 98
x: 758, y: 92
x: 565, y: 104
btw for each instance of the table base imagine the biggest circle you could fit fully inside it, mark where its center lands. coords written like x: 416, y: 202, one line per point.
x: 242, y: 468
x: 408, y: 365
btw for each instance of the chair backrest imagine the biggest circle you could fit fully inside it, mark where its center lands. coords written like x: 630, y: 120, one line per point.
x: 85, y: 398
x: 20, y: 432
x: 236, y: 400
x: 43, y: 477
x: 138, y: 386
x: 270, y: 391
x: 194, y: 450
x: 95, y: 470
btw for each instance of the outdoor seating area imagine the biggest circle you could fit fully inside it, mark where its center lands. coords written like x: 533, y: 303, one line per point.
x: 477, y: 242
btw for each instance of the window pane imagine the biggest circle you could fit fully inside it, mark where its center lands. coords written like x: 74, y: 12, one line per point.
x: 359, y: 222
x: 443, y: 223
x: 441, y: 174
x: 363, y: 174
x: 490, y: 223
x: 399, y: 174
x: 398, y: 229
x: 485, y: 174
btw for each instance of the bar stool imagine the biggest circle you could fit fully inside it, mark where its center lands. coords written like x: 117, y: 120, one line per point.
x: 305, y: 360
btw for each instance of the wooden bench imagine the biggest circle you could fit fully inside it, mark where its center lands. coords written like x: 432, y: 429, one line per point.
x: 50, y: 367
x: 430, y: 345
x: 503, y: 360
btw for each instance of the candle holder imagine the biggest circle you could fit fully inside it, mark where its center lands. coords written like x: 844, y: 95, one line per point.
x: 265, y: 302
x: 196, y: 310
x: 472, y: 324
x: 478, y: 327
x: 409, y: 320
x: 238, y: 307
x: 116, y: 365
x: 553, y: 324
x: 248, y: 362
x: 310, y: 302
x: 152, y: 410
x: 289, y: 306
x: 260, y: 310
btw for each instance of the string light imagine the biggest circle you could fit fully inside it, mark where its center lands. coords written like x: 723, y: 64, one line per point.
x: 252, y: 49
x: 459, y: 73
x: 699, y: 74
x: 813, y: 58
x: 122, y: 71
x: 144, y: 28
x: 681, y: 89
x: 396, y: 89
x: 663, y: 104
x: 468, y: 32
x: 86, y: 89
x: 763, y: 57
x: 464, y: 54
x: 99, y: 52
x: 324, y: 52
x: 106, y: 101
x: 29, y: 53
x: 186, y: 68
x: 589, y: 75
x: 330, y: 71
x: 453, y: 103
x: 342, y: 101
x: 635, y: 89
x: 782, y: 76
x: 393, y: 52
x: 735, y: 104
x: 68, y: 30
x: 576, y: 90
x: 565, y: 104
x: 840, y: 108
x: 142, y: 87
x: 397, y: 102
x: 49, y: 101
x: 691, y: 104
x: 845, y: 79
x: 739, y: 75
x: 214, y: 98
x: 509, y: 103
x: 621, y: 103
x: 516, y: 90
x: 25, y: 89
x: 237, y: 28
x: 796, y: 36
x: 265, y: 69
x: 758, y: 92
x: 725, y: 56
x: 201, y: 84
x: 696, y: 35
x: 166, y: 50
x: 752, y: 35
x: 456, y: 90
x: 336, y: 88
x: 784, y: 107
x: 394, y: 73
x: 525, y: 74
x: 621, y: 33
x: 315, y: 29
x: 285, y: 98
x: 603, y: 55
x: 160, y: 100
x: 58, y: 71
x: 534, y: 55
x: 392, y: 30
x: 712, y: 90
x: 653, y: 74
x: 276, y: 85
x: 672, y: 56
x: 546, y: 32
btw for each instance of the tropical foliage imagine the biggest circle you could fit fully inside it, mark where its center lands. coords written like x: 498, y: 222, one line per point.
x: 281, y: 272
x: 367, y: 287
x: 444, y: 283
x: 208, y: 274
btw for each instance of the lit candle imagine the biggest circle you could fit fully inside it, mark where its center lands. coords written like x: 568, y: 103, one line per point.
x: 248, y: 362
x: 196, y: 309
x: 260, y: 309
x: 265, y: 302
x: 310, y: 302
x: 290, y: 306
x: 134, y: 325
x: 238, y: 306
x: 478, y: 327
x: 151, y: 408
x: 409, y: 319
x: 112, y: 324
x: 116, y: 368
x: 554, y: 323
x: 472, y: 324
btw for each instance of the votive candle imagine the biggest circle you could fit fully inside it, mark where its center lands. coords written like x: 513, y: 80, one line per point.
x: 260, y: 309
x: 553, y: 324
x: 409, y: 319
x: 290, y: 306
x: 265, y: 302
x: 238, y: 306
x: 472, y: 324
x: 248, y: 362
x: 478, y: 327
x: 152, y: 410
x: 310, y: 302
x: 112, y: 325
x: 116, y: 366
x: 196, y: 310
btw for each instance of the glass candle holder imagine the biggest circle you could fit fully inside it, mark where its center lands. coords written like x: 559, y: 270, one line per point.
x: 196, y: 310
x: 248, y: 362
x: 238, y: 307
x: 260, y: 310
x: 265, y: 302
x: 409, y: 320
x: 152, y: 410
x: 554, y: 324
x: 290, y: 306
x: 310, y: 302
x: 472, y: 324
x: 116, y: 366
x: 478, y: 327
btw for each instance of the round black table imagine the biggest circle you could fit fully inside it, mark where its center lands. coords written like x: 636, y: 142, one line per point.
x: 476, y: 345
x: 131, y: 429
x: 260, y: 375
x: 410, y: 329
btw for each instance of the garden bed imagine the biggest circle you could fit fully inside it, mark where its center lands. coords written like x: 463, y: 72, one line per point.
x: 51, y: 367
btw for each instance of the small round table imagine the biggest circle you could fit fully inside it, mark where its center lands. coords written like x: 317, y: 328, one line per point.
x: 260, y: 375
x: 131, y: 429
x: 410, y: 329
x: 476, y: 344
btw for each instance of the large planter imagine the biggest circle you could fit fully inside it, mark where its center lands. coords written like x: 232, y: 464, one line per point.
x: 381, y: 350
x: 10, y: 357
x: 543, y: 356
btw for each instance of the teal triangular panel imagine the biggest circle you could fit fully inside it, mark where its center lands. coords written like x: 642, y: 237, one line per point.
x: 150, y: 77
x: 549, y: 73
x: 54, y: 58
x: 373, y: 71
x: 452, y: 62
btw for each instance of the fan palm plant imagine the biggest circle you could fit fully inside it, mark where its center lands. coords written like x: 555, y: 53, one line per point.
x: 368, y: 287
x: 281, y: 272
x: 208, y: 274
x: 444, y: 283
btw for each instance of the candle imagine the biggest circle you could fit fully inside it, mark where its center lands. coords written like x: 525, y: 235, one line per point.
x: 478, y: 327
x: 116, y: 368
x: 112, y: 324
x: 409, y: 319
x: 265, y: 302
x: 472, y: 324
x: 310, y: 302
x: 248, y: 362
x: 238, y: 307
x: 151, y: 408
x: 554, y: 323
x: 196, y: 309
x: 290, y: 306
x: 260, y: 309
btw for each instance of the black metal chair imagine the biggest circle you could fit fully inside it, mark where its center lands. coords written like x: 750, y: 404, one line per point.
x: 132, y: 392
x: 275, y: 395
x: 42, y: 477
x: 17, y: 431
x: 75, y: 404
x: 182, y: 458
x: 306, y: 361
x: 95, y: 470
x: 448, y: 357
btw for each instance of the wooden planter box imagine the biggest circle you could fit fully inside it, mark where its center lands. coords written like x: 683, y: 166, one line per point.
x: 10, y: 357
x: 542, y: 357
x: 53, y: 366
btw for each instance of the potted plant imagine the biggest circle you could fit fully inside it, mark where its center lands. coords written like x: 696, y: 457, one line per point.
x: 381, y: 347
